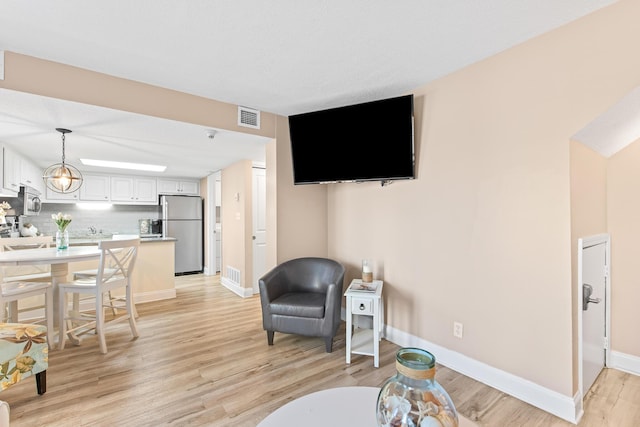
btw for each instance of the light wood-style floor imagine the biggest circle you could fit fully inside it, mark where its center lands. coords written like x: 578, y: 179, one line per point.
x: 202, y: 360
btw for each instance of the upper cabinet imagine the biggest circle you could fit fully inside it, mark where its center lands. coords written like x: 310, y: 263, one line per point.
x: 124, y: 189
x: 11, y: 171
x: 53, y: 197
x: 135, y: 190
x: 18, y: 171
x: 95, y: 188
x: 178, y: 186
x: 31, y: 175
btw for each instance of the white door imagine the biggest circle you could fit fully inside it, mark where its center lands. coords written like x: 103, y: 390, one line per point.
x: 259, y: 225
x: 593, y: 308
x: 212, y: 226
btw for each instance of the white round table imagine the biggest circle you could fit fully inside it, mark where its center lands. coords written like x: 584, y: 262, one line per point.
x: 334, y: 407
x: 59, y: 261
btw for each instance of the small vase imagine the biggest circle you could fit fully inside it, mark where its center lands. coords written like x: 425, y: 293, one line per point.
x: 413, y: 398
x: 62, y: 240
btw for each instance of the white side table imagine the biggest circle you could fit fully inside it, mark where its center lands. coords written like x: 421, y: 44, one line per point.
x: 364, y: 303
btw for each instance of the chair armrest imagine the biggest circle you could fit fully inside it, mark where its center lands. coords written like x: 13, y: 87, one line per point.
x: 272, y: 285
x: 333, y: 301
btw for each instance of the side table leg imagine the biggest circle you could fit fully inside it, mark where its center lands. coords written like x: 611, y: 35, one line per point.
x: 376, y: 334
x: 348, y: 329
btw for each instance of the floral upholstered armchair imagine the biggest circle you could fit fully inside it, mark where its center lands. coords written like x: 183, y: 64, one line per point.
x: 24, y: 351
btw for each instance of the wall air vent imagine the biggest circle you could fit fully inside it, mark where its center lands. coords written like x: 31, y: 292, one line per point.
x: 248, y: 117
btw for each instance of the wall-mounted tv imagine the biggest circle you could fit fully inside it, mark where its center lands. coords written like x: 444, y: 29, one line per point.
x: 372, y: 141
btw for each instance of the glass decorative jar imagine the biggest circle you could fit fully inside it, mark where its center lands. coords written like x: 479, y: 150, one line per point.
x: 413, y: 398
x: 62, y: 240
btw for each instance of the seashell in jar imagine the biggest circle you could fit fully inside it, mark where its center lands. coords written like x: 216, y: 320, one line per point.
x: 430, y: 421
x: 447, y: 419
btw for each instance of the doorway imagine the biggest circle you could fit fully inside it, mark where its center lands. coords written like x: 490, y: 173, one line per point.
x: 259, y: 225
x: 594, y: 289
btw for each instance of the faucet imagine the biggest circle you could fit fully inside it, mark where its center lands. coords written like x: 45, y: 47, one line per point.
x: 92, y: 230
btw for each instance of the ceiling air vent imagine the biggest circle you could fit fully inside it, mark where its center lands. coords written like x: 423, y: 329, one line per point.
x: 248, y: 117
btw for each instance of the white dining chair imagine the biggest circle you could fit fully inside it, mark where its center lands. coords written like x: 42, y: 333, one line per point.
x: 116, y: 264
x: 88, y: 274
x: 29, y: 284
x: 26, y: 272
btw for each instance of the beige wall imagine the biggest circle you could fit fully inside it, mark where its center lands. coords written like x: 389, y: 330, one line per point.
x: 484, y: 234
x: 236, y: 220
x: 623, y: 214
x: 588, y: 171
x: 301, y: 209
x: 271, y: 257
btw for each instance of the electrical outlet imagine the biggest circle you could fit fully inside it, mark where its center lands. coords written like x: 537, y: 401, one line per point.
x: 457, y: 329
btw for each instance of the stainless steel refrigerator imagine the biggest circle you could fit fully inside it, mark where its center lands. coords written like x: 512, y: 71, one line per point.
x: 182, y: 219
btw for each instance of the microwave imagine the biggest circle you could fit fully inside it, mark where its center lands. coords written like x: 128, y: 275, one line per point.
x: 31, y: 203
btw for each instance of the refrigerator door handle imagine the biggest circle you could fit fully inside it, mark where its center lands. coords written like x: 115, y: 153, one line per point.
x: 165, y: 208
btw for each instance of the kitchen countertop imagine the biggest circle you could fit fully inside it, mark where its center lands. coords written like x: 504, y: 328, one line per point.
x: 85, y: 241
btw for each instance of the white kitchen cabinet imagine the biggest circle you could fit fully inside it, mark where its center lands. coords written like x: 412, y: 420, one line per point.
x: 53, y: 197
x: 31, y: 175
x: 11, y: 171
x: 134, y: 190
x: 177, y: 186
x: 95, y: 188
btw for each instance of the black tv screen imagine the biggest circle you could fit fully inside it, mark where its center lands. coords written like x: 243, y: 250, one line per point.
x: 372, y: 141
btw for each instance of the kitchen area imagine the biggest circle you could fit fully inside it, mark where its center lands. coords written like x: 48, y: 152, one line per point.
x: 178, y: 218
x: 170, y: 224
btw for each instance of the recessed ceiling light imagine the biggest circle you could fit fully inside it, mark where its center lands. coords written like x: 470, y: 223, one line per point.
x: 123, y: 165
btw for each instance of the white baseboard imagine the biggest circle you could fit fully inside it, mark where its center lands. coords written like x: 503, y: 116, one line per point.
x: 236, y: 288
x: 142, y: 297
x: 565, y: 407
x: 625, y: 362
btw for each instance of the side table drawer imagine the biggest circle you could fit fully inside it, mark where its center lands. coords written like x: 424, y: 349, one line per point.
x: 362, y: 306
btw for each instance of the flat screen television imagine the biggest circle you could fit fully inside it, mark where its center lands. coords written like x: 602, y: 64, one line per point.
x: 372, y: 141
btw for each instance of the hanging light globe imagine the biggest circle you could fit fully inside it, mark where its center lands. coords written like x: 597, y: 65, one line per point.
x: 62, y: 177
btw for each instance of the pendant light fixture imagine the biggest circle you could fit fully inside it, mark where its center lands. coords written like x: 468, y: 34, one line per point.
x: 62, y: 177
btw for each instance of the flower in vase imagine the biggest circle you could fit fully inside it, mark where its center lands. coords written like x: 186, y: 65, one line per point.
x: 4, y: 207
x: 61, y: 220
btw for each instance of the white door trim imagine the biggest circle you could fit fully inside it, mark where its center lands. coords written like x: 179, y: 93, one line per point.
x: 582, y: 244
x: 210, y: 225
x: 259, y: 208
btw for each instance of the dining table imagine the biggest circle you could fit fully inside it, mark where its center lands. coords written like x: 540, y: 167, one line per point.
x: 58, y: 259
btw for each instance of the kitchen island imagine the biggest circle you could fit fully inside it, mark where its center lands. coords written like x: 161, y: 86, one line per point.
x: 153, y: 277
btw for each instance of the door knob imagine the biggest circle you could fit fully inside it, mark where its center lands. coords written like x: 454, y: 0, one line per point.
x: 587, y: 290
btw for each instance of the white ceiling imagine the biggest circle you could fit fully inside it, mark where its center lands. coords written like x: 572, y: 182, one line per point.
x: 283, y: 57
